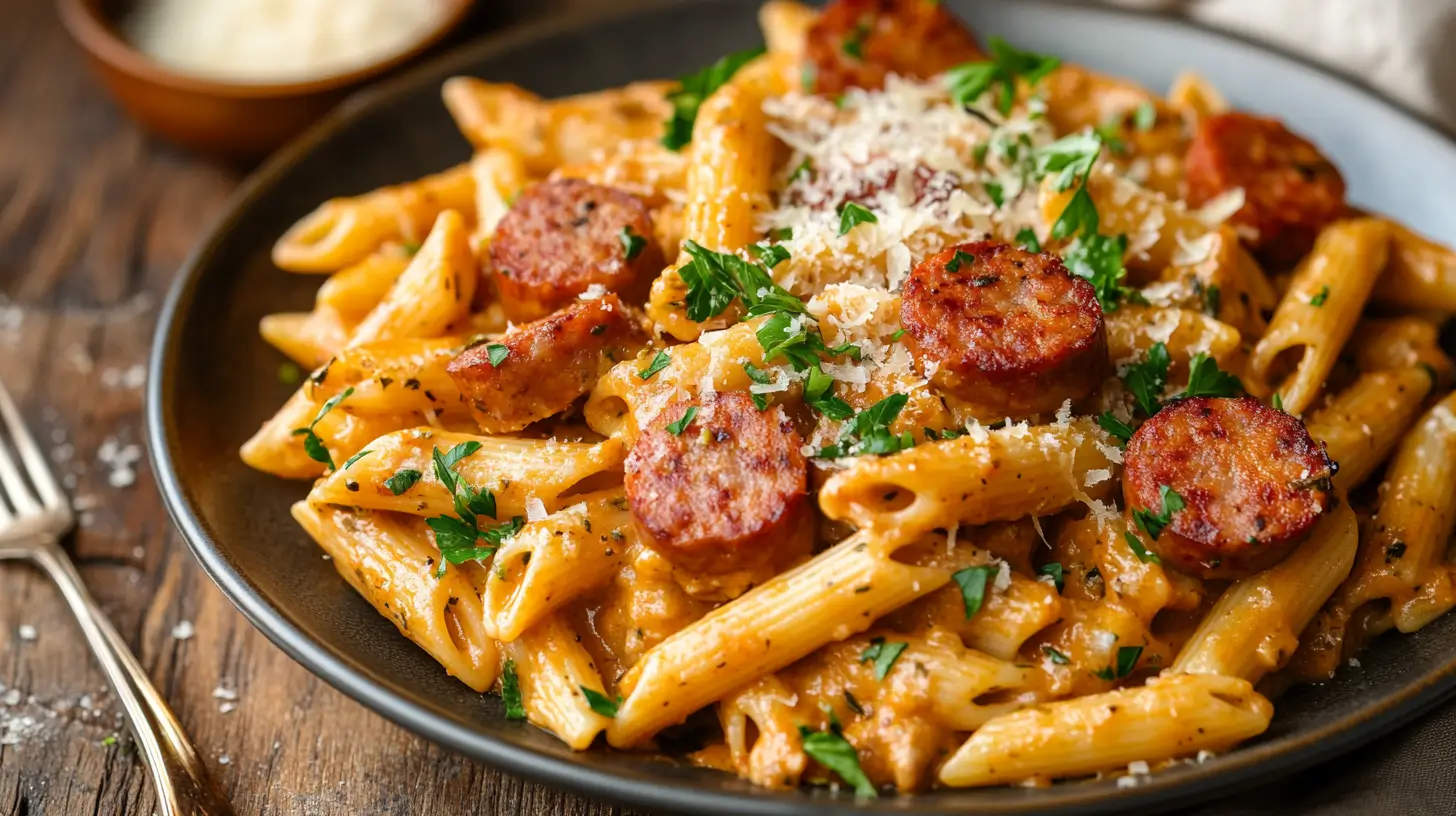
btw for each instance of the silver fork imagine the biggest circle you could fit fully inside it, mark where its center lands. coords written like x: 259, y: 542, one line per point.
x: 33, y: 517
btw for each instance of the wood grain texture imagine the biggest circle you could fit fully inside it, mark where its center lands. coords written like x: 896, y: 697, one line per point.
x: 95, y: 218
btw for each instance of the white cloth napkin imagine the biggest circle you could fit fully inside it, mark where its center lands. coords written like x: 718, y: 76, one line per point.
x: 1405, y: 49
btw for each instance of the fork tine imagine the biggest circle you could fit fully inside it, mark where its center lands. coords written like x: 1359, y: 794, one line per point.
x: 15, y: 488
x: 30, y: 456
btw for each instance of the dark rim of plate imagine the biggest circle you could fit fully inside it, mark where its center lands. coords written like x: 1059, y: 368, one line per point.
x: 1227, y: 774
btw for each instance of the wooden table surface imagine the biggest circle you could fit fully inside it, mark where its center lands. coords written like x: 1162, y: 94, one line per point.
x: 96, y: 216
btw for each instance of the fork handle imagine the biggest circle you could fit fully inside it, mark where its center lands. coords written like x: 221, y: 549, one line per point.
x: 178, y: 775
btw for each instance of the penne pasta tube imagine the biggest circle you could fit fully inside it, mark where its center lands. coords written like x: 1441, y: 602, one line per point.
x: 1155, y: 225
x: 390, y: 561
x: 499, y: 177
x: 516, y: 470
x: 724, y: 194
x: 307, y: 338
x: 345, y: 231
x: 1133, y: 329
x: 553, y: 667
x: 1399, y: 343
x: 1196, y: 97
x: 353, y: 292
x: 433, y: 293
x: 1421, y: 273
x: 836, y: 594
x: 644, y: 168
x: 998, y: 475
x: 1362, y: 424
x: 551, y: 562
x: 1254, y: 626
x: 761, y: 729
x: 395, y: 377
x: 1172, y: 716
x: 786, y: 27
x: 1318, y: 312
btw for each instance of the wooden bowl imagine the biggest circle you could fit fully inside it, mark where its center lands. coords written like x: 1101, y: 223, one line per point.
x: 231, y: 120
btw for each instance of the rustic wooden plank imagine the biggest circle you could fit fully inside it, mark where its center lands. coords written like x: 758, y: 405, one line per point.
x: 95, y: 217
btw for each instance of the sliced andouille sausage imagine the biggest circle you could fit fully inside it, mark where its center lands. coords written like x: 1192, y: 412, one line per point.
x: 724, y: 491
x: 542, y: 367
x: 1011, y: 332
x: 1291, y: 190
x: 1252, y: 480
x: 857, y: 43
x: 562, y: 236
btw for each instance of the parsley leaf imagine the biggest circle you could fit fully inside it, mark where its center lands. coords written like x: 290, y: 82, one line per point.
x: 1098, y: 260
x: 677, y: 428
x: 312, y: 444
x: 402, y: 480
x: 852, y: 215
x: 1136, y: 545
x: 1028, y: 240
x: 819, y: 395
x: 601, y: 703
x: 869, y: 433
x: 972, y: 581
x: 853, y: 44
x: 658, y: 363
x: 289, y: 373
x: 1080, y: 216
x: 1145, y: 116
x: 884, y: 654
x: 511, y: 691
x: 1056, y: 656
x: 1278, y: 401
x: 715, y: 279
x: 497, y: 354
x: 771, y: 255
x: 1153, y: 523
x: 1070, y: 157
x: 1127, y: 658
x: 696, y: 87
x: 1146, y: 379
x: 1054, y: 570
x: 456, y: 537
x: 1212, y: 299
x: 348, y: 463
x: 1116, y: 428
x: 1206, y: 379
x: 1320, y: 297
x: 632, y: 243
x: 833, y: 751
x: 959, y: 259
x: 968, y: 82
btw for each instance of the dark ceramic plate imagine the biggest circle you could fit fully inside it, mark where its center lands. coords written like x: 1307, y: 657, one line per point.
x: 213, y: 381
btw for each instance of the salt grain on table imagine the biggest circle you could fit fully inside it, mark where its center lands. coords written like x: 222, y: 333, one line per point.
x: 119, y: 458
x: 183, y: 630
x: 27, y: 632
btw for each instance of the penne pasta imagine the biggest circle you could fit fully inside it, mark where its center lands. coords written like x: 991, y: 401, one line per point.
x: 554, y: 668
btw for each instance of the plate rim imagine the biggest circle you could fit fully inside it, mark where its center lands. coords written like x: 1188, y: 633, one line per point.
x: 1234, y: 771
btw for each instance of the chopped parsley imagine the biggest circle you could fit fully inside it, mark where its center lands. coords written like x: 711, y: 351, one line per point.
x: 497, y: 354
x: 402, y: 480
x: 802, y: 169
x: 511, y: 691
x: 348, y: 463
x: 716, y: 279
x: 853, y: 44
x: 1097, y: 259
x: 833, y: 751
x: 1277, y: 401
x: 1028, y: 240
x: 677, y: 428
x: 1055, y: 572
x: 696, y: 87
x: 1116, y: 428
x: 1206, y: 379
x: 1127, y: 658
x: 1320, y: 297
x: 601, y: 703
x: 457, y: 536
x: 1055, y: 656
x: 1212, y: 300
x: 1070, y: 157
x: 1136, y: 545
x: 972, y: 581
x: 289, y: 373
x: 1153, y: 523
x: 819, y: 395
x: 895, y: 337
x: 968, y: 82
x: 959, y: 259
x: 884, y: 654
x: 853, y: 703
x: 1145, y: 116
x: 1146, y: 379
x: 996, y: 192
x: 869, y: 432
x: 770, y: 255
x: 852, y: 215
x: 632, y: 243
x: 659, y: 362
x: 312, y: 444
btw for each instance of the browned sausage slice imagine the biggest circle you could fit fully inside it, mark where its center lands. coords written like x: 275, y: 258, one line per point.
x: 1011, y: 332
x: 560, y: 237
x: 722, y: 492
x: 1291, y: 191
x: 1252, y: 480
x: 545, y: 365
x: 856, y: 43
